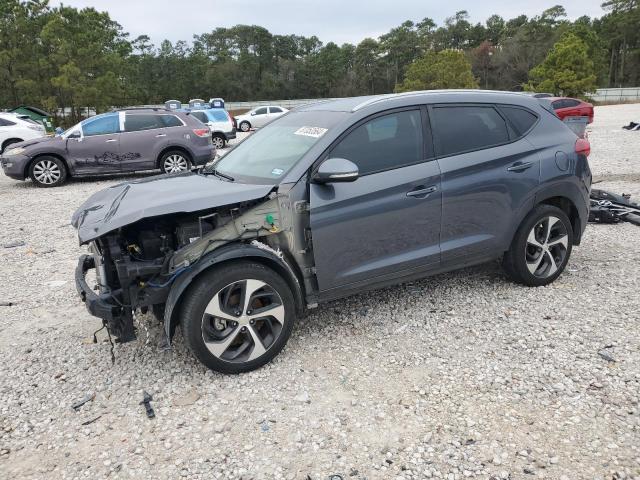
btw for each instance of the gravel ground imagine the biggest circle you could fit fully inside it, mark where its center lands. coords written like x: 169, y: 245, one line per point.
x: 459, y: 375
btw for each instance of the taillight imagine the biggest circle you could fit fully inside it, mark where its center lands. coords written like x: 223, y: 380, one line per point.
x: 583, y: 147
x: 202, y: 132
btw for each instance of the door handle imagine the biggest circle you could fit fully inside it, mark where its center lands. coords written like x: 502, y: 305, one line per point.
x: 161, y: 135
x: 422, y: 191
x: 520, y: 167
x: 111, y: 140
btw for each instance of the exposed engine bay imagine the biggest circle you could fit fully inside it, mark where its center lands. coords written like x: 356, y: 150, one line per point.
x: 137, y: 264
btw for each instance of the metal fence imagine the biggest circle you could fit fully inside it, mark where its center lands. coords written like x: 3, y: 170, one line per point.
x: 628, y: 94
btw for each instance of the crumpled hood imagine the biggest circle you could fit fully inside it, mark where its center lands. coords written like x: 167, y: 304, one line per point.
x: 128, y: 202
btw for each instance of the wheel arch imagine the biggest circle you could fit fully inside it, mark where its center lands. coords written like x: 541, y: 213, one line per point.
x: 227, y: 254
x: 27, y: 167
x: 10, y: 141
x: 180, y: 148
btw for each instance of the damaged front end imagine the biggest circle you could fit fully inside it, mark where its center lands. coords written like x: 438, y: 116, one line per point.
x: 136, y: 264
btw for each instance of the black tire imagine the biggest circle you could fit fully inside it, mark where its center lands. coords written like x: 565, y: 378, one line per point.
x: 218, y: 140
x: 528, y: 250
x: 245, y: 126
x: 47, y: 172
x: 223, y: 280
x: 169, y: 162
x: 11, y: 141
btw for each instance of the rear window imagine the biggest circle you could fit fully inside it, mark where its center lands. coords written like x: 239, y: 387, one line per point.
x: 521, y: 119
x: 218, y: 115
x: 458, y: 129
x: 200, y: 116
x: 170, y: 121
x: 138, y: 122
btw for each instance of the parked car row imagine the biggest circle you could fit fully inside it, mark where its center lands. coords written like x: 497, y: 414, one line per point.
x: 116, y: 142
x: 330, y: 200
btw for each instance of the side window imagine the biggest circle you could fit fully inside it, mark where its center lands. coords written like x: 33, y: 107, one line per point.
x: 106, y: 125
x: 261, y: 111
x: 386, y: 142
x: 569, y: 102
x: 558, y: 104
x: 459, y: 129
x: 170, y: 121
x: 200, y: 116
x: 6, y: 123
x: 275, y: 110
x: 137, y: 122
x: 521, y: 119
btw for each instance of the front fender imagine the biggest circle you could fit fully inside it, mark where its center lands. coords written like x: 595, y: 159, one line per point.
x: 259, y: 251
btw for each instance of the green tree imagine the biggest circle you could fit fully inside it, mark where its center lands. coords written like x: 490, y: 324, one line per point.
x: 444, y: 69
x: 567, y: 70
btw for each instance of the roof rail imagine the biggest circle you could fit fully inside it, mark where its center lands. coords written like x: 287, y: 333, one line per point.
x: 155, y: 109
x: 389, y: 96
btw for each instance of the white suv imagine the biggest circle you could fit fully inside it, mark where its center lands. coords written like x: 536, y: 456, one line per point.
x: 15, y: 128
x: 259, y: 117
x: 219, y: 122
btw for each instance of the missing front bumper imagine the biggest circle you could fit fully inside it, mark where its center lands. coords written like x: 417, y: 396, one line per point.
x: 118, y: 318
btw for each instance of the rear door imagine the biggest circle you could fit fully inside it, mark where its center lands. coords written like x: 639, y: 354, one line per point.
x: 97, y: 150
x: 386, y: 224
x: 489, y: 171
x: 141, y: 141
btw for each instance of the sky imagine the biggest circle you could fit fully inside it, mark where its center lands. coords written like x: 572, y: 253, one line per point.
x: 336, y: 21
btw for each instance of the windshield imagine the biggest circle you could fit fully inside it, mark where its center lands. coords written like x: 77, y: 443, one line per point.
x: 267, y: 155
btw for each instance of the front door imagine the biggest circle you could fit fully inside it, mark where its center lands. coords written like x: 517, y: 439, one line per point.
x: 489, y: 171
x: 97, y: 149
x: 141, y: 141
x: 387, y: 223
x: 260, y: 117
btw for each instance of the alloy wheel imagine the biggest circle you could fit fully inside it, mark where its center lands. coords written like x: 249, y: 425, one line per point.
x: 244, y: 126
x: 546, y: 248
x: 175, y: 163
x: 218, y: 142
x: 242, y: 321
x: 47, y: 172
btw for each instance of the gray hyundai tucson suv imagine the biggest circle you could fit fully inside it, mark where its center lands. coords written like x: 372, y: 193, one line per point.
x: 332, y: 199
x: 116, y: 142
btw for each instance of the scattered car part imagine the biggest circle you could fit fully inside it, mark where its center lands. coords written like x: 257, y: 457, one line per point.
x: 76, y: 405
x: 607, y: 207
x: 146, y: 401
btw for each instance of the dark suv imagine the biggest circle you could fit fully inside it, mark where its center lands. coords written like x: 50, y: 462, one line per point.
x: 116, y: 142
x: 329, y: 200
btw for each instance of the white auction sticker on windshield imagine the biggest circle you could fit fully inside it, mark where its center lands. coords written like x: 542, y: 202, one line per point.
x: 315, y: 132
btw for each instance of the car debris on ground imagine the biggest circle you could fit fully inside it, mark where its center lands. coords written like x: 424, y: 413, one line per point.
x: 607, y: 207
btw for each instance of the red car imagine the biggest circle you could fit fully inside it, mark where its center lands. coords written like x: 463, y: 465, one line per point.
x: 571, y: 107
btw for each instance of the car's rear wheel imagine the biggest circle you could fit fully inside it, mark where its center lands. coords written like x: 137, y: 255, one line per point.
x: 6, y: 144
x: 541, y: 247
x: 218, y: 141
x: 245, y: 126
x: 237, y: 317
x: 48, y: 171
x: 175, y: 161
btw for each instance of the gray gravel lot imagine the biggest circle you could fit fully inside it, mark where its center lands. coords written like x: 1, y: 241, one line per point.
x: 458, y: 375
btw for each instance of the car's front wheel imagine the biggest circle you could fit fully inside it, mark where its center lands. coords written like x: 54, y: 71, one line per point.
x: 174, y: 161
x: 237, y: 317
x: 245, y: 126
x: 541, y: 247
x: 48, y: 171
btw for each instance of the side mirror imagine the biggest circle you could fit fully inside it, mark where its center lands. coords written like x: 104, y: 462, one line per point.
x: 334, y: 170
x: 76, y: 135
x: 253, y: 114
